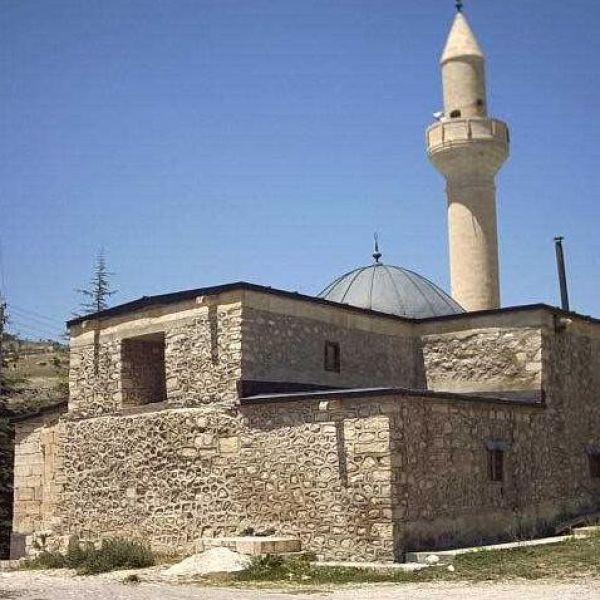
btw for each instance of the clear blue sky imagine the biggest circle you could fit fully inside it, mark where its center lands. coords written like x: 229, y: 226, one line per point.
x: 202, y: 142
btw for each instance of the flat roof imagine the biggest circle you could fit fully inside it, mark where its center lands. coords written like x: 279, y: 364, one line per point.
x: 171, y: 298
x: 530, y: 398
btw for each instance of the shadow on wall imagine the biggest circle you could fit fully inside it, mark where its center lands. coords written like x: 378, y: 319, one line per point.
x: 420, y: 374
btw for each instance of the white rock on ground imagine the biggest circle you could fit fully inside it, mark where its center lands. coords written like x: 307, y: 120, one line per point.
x: 215, y: 560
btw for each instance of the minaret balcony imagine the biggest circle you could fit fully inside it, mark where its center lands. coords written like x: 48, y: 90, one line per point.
x: 457, y: 132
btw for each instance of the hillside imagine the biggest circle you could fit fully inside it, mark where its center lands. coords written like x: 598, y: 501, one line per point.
x: 35, y: 373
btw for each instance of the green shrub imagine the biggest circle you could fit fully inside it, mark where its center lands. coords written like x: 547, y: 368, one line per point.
x: 273, y: 567
x: 115, y: 554
x: 301, y: 571
x: 268, y: 567
x: 111, y: 555
x: 47, y: 560
x: 77, y: 552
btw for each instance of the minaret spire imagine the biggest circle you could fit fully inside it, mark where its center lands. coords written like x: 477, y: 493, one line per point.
x: 468, y: 148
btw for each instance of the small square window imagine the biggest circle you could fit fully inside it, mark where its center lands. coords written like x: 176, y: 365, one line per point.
x: 496, y: 465
x: 594, y: 460
x: 332, y: 357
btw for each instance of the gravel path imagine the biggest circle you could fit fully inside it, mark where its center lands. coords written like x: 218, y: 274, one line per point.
x: 41, y: 586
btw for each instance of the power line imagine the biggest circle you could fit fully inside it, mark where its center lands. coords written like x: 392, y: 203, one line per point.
x: 25, y: 333
x: 32, y: 327
x: 41, y: 320
x: 26, y: 319
x: 38, y: 315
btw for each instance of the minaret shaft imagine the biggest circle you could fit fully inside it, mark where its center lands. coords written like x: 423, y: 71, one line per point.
x: 469, y: 148
x: 473, y: 244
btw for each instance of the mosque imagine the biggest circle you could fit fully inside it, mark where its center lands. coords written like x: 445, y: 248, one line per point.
x: 382, y: 416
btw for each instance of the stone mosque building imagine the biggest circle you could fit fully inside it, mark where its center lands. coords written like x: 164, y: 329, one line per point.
x: 382, y: 415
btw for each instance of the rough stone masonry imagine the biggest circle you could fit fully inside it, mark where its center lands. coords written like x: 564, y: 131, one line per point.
x: 391, y: 452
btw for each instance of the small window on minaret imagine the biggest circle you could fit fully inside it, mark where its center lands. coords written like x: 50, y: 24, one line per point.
x: 455, y: 114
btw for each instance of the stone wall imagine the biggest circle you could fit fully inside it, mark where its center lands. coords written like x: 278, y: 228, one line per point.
x: 572, y: 385
x: 202, y: 360
x: 443, y: 492
x: 484, y: 359
x: 290, y: 348
x: 203, y: 357
x: 38, y: 478
x: 210, y: 345
x: 547, y: 468
x: 354, y: 478
x: 175, y: 476
x: 94, y: 381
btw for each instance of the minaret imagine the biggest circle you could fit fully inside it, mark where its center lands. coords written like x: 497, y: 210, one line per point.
x: 468, y: 148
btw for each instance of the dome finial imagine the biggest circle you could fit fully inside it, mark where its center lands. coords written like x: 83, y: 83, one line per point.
x: 376, y: 255
x: 459, y: 5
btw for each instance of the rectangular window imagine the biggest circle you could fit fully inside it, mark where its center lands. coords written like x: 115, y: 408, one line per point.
x: 594, y: 460
x: 496, y: 465
x: 143, y: 378
x: 332, y: 357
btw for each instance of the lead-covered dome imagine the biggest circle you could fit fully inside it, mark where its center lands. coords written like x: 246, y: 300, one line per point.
x: 392, y: 290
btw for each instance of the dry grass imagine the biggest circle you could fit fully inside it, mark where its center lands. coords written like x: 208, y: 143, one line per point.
x: 573, y: 559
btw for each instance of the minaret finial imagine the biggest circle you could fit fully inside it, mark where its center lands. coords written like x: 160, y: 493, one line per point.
x: 376, y: 255
x: 459, y: 5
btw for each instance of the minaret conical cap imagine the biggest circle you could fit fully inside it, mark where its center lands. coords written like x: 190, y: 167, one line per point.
x: 461, y: 41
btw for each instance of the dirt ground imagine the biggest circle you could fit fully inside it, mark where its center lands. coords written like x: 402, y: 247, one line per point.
x: 36, y: 585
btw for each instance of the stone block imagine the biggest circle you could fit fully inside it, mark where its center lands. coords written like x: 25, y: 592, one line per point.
x: 229, y: 445
x: 255, y: 545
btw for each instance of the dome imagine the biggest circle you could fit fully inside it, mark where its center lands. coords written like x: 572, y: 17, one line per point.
x: 392, y: 290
